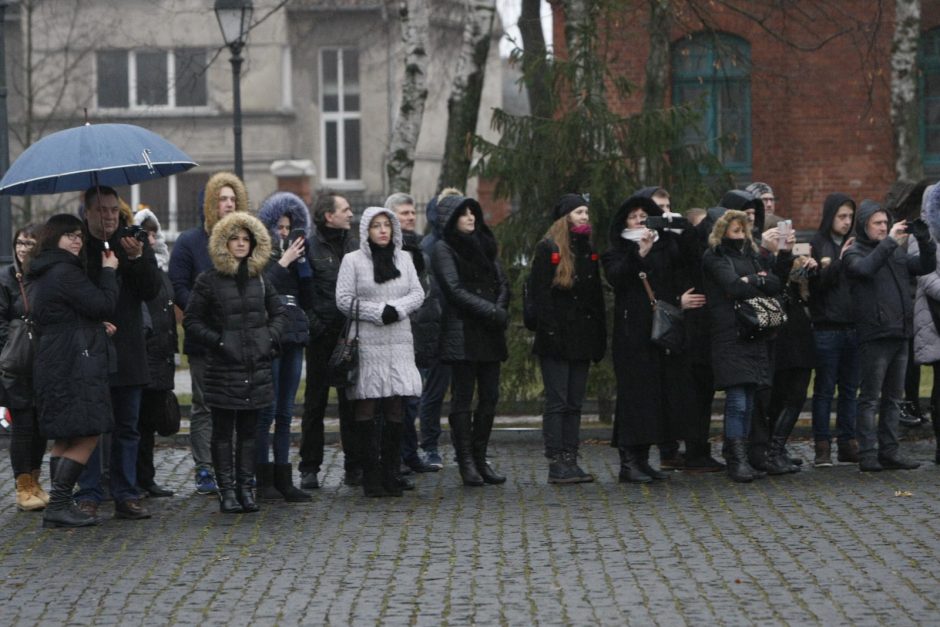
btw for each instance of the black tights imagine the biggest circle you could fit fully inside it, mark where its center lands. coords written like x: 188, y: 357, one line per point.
x: 241, y: 421
x: 390, y: 406
x: 27, y: 446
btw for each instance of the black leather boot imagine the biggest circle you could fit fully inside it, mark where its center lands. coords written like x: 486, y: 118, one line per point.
x: 391, y: 458
x: 244, y: 472
x: 225, y: 477
x: 460, y: 434
x: 367, y: 453
x: 482, y: 427
x: 264, y: 481
x: 739, y: 470
x: 698, y: 458
x: 630, y: 471
x: 284, y: 484
x: 643, y: 460
x: 62, y: 510
x: 935, y: 419
x: 778, y: 461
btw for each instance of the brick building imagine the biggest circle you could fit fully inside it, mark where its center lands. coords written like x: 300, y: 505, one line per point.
x: 809, y: 119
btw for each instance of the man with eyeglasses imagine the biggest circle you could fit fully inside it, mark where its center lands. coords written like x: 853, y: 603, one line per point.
x: 138, y: 281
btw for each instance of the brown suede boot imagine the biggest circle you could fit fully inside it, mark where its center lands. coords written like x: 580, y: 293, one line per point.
x: 848, y: 451
x: 37, y: 487
x: 25, y: 499
x: 823, y: 457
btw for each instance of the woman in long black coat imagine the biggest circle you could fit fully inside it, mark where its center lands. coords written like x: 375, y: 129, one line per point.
x: 571, y: 331
x: 473, y: 329
x: 733, y: 271
x: 70, y: 373
x: 235, y: 313
x: 653, y: 385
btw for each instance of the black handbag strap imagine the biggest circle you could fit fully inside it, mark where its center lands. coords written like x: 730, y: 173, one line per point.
x: 19, y: 281
x: 349, y: 320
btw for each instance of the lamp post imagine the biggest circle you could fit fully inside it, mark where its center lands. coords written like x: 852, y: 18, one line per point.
x: 235, y: 19
x: 6, y: 219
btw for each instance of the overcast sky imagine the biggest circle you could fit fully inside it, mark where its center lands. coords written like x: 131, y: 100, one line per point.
x: 509, y: 10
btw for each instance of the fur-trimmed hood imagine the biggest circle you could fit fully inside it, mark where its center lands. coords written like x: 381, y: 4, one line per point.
x: 210, y: 203
x: 367, y: 215
x: 930, y: 209
x: 228, y: 226
x: 160, y: 248
x: 721, y: 227
x: 281, y: 204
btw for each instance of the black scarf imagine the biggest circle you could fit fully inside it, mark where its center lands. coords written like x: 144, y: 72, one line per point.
x: 474, y: 248
x: 383, y: 262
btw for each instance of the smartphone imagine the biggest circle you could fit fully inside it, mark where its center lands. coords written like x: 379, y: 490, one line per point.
x: 296, y: 234
x: 801, y: 249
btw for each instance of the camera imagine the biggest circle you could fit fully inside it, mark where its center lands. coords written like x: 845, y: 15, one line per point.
x: 918, y: 228
x: 134, y: 231
x: 664, y: 222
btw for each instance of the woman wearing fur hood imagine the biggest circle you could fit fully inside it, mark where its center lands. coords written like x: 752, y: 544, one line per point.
x: 378, y: 287
x: 734, y: 271
x: 239, y: 318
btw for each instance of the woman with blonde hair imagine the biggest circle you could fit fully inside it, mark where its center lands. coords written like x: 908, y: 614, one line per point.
x: 566, y: 289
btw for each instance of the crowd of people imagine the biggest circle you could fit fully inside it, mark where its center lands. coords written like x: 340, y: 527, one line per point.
x: 260, y: 297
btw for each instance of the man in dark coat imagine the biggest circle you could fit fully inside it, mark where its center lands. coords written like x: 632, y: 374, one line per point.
x: 879, y: 270
x: 836, y: 343
x: 328, y: 243
x: 138, y: 281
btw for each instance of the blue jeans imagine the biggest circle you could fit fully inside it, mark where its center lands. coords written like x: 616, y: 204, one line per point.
x: 884, y: 363
x: 285, y: 370
x: 432, y: 399
x: 125, y: 402
x: 837, y: 364
x: 739, y: 403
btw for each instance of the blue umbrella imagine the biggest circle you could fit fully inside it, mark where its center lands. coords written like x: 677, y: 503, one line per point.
x: 112, y: 155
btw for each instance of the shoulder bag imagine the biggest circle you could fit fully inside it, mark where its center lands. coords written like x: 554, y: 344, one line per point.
x: 19, y: 351
x: 343, y: 367
x: 668, y: 330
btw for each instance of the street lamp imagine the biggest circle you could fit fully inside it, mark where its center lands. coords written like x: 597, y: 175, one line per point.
x: 235, y: 19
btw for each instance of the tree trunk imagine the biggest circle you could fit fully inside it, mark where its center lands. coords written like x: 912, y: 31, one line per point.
x: 414, y: 92
x: 657, y: 63
x: 463, y: 106
x: 534, y: 58
x: 904, y: 115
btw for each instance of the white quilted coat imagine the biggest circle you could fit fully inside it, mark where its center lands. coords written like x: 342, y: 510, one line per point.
x: 386, y: 351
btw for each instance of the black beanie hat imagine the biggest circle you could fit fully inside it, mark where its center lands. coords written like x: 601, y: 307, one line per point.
x: 568, y: 203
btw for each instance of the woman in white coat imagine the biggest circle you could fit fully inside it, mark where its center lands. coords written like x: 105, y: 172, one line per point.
x: 927, y: 313
x: 379, y: 286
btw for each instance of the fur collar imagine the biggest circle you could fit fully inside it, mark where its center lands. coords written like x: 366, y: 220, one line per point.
x: 223, y: 260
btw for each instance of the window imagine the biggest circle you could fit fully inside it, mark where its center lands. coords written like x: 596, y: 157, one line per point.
x: 712, y: 71
x: 930, y: 96
x: 340, y: 114
x: 174, y: 200
x: 136, y: 79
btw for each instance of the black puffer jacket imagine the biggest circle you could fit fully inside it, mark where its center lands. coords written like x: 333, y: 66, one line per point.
x: 879, y: 274
x: 830, y: 301
x: 325, y: 251
x: 736, y: 361
x: 241, y: 325
x: 474, y: 288
x: 426, y: 321
x: 70, y: 375
x: 571, y: 322
x: 162, y: 339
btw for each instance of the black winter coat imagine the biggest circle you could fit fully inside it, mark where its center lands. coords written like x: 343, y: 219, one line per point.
x: 571, y: 323
x: 879, y: 274
x: 795, y: 346
x: 736, y: 361
x: 162, y: 339
x: 325, y: 256
x: 138, y: 282
x: 70, y: 375
x: 830, y: 300
x: 474, y: 288
x: 18, y: 391
x: 426, y: 321
x: 296, y: 296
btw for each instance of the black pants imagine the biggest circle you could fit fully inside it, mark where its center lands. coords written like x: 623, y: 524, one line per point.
x: 151, y: 403
x: 27, y: 445
x: 238, y: 422
x: 565, y: 383
x: 391, y: 408
x: 703, y: 390
x: 316, y: 397
x: 789, y: 392
x: 467, y: 375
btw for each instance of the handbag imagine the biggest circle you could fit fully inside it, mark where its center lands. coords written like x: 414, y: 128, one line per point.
x: 19, y: 351
x: 758, y: 317
x: 343, y: 367
x: 168, y: 421
x: 668, y: 330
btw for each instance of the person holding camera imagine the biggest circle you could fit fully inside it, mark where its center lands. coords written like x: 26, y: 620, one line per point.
x: 139, y: 281
x: 879, y: 270
x: 648, y: 409
x: 288, y: 220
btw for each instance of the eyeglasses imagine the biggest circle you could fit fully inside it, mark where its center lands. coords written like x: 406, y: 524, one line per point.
x: 25, y: 243
x: 74, y: 237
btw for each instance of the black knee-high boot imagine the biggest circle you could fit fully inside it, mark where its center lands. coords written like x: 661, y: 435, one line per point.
x: 482, y: 427
x: 778, y: 461
x: 62, y: 510
x: 463, y: 448
x: 222, y: 463
x: 367, y: 454
x: 643, y: 460
x: 245, y: 471
x: 391, y: 457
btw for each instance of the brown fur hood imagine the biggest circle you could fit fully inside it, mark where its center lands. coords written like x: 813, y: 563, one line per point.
x: 210, y: 203
x: 228, y: 226
x: 721, y: 227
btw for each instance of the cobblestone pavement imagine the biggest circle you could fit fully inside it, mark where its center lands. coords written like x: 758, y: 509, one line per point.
x: 829, y: 546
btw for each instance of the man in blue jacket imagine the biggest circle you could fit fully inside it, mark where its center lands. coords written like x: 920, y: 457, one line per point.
x: 879, y: 270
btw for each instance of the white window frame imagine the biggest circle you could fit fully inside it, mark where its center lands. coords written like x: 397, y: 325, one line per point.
x: 171, y: 228
x: 339, y: 117
x: 132, y: 105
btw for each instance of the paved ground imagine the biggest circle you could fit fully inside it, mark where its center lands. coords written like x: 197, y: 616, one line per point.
x: 827, y: 547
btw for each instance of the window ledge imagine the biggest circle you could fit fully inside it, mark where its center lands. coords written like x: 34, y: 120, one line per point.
x: 156, y: 112
x: 345, y: 186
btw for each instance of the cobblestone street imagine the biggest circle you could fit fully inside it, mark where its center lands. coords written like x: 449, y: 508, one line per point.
x: 828, y: 546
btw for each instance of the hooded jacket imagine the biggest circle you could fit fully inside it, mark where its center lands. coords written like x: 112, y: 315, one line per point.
x: 926, y: 334
x: 190, y: 255
x: 70, y: 373
x: 160, y: 319
x: 426, y: 321
x: 474, y: 288
x: 325, y: 256
x: 240, y: 326
x: 830, y: 298
x: 879, y: 274
x: 386, y: 350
